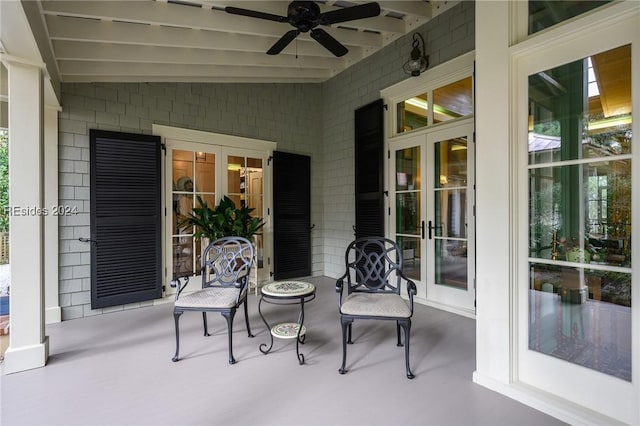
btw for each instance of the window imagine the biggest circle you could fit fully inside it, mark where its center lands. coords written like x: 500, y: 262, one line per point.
x: 579, y: 174
x: 450, y: 101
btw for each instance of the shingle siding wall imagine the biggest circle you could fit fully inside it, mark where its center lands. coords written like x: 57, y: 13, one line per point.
x: 447, y: 36
x: 289, y: 114
x: 310, y: 119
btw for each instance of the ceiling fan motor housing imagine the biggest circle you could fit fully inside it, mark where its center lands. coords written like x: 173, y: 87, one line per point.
x: 303, y: 15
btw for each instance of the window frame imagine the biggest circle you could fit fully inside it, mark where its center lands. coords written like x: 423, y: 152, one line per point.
x: 574, y: 40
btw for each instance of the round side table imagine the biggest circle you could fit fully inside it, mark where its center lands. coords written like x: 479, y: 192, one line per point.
x: 287, y: 293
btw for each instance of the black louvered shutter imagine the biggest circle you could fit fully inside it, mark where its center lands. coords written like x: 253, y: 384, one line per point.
x: 292, y: 215
x: 369, y: 172
x: 126, y: 247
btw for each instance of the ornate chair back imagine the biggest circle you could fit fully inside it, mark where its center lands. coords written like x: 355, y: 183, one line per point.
x: 227, y: 262
x: 374, y: 265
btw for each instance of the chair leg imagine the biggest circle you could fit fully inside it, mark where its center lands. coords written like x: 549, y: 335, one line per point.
x: 346, y: 329
x: 204, y: 322
x: 176, y: 318
x: 407, y: 330
x: 229, y: 316
x: 398, y: 333
x: 246, y: 318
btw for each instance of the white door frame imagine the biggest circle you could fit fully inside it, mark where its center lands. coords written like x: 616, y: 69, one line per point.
x: 458, y: 301
x: 439, y: 76
x: 223, y: 145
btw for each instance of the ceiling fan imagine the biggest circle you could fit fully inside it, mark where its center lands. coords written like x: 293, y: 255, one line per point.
x: 305, y: 16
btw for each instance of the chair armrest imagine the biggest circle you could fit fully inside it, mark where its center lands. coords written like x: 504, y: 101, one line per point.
x: 411, y: 290
x: 175, y: 283
x: 339, y: 286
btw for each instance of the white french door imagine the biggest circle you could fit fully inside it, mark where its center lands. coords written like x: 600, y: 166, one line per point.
x: 431, y: 204
x: 197, y: 171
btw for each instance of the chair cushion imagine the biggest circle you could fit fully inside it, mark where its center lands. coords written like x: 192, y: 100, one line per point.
x: 211, y: 298
x: 375, y: 305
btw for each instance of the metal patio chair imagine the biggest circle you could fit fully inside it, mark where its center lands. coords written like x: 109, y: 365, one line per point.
x: 226, y: 267
x: 373, y: 279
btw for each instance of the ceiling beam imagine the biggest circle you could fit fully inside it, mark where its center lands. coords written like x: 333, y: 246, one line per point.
x: 87, y: 51
x: 88, y: 68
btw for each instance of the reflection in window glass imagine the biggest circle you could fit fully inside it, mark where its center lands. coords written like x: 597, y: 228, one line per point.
x: 582, y: 316
x: 245, y: 188
x: 566, y: 123
x: 451, y: 263
x: 580, y: 225
x: 413, y: 113
x: 453, y: 101
x: 544, y: 14
x: 407, y: 185
x: 451, y: 163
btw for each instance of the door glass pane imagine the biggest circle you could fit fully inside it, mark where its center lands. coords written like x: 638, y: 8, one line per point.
x: 205, y: 172
x: 408, y: 214
x: 450, y: 205
x: 451, y: 213
x: 544, y: 14
x: 580, y: 217
x: 581, y: 213
x: 413, y: 113
x: 245, y: 188
x: 453, y: 101
x: 187, y: 167
x: 451, y: 263
x: 569, y: 121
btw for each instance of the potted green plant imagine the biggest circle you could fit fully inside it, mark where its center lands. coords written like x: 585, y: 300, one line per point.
x: 224, y: 220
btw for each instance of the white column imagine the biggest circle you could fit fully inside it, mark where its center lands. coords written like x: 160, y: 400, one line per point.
x: 28, y: 345
x: 493, y: 219
x: 51, y: 282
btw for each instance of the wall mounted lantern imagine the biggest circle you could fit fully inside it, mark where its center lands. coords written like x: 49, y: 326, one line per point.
x: 419, y: 61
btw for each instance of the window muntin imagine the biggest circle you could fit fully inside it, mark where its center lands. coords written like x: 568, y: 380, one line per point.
x: 580, y: 183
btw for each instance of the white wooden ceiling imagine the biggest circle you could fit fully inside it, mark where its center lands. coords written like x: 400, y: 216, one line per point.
x: 197, y: 41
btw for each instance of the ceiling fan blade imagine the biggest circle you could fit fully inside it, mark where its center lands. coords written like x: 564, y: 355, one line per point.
x: 330, y: 43
x: 254, y: 14
x: 361, y: 11
x: 283, y: 42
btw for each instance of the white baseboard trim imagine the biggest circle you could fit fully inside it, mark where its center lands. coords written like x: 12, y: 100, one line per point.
x: 552, y: 405
x: 26, y: 357
x: 52, y: 315
x: 447, y: 308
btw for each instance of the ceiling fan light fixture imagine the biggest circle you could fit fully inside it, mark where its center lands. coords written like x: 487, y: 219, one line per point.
x: 418, y: 61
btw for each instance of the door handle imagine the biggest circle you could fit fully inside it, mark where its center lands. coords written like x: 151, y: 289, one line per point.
x: 431, y: 228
